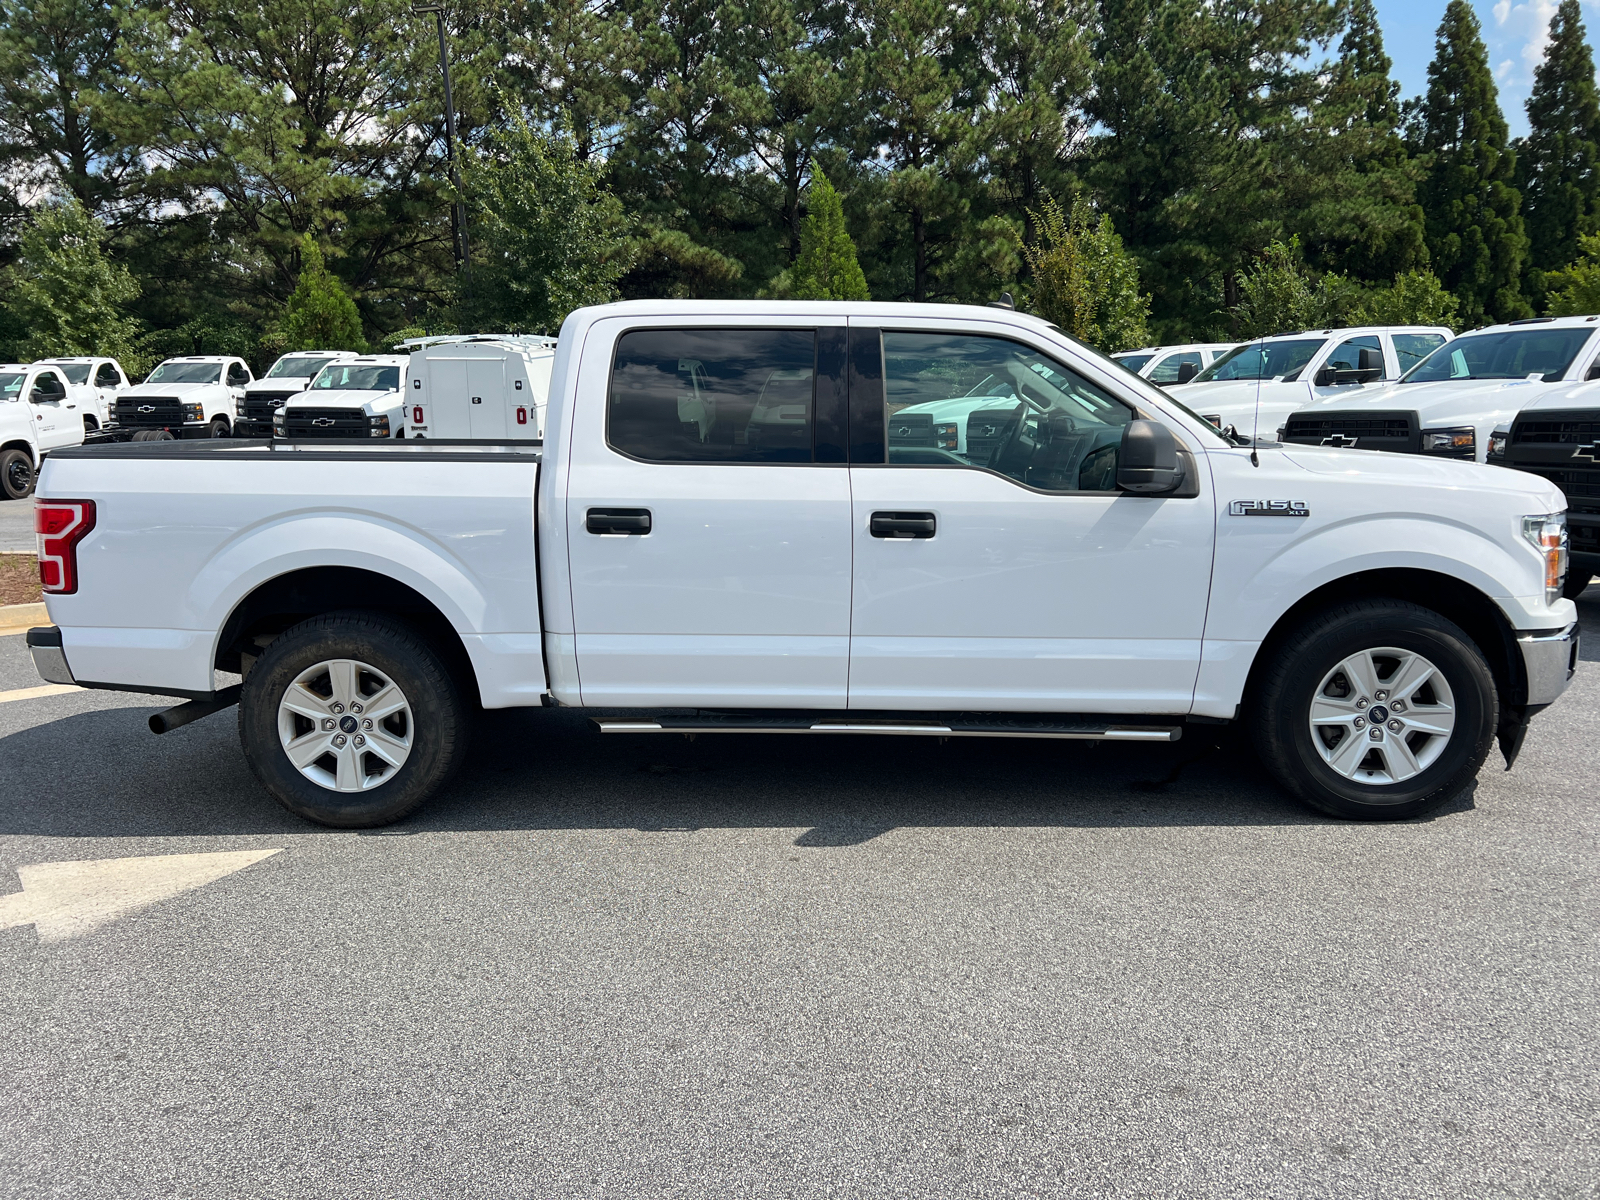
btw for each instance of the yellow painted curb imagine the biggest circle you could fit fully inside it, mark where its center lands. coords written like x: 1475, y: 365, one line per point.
x: 19, y: 618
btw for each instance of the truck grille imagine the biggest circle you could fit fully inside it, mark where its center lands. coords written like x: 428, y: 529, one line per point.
x: 1395, y: 431
x: 1557, y: 431
x: 259, y: 406
x: 1565, y: 449
x: 987, y: 431
x: 325, y: 423
x: 911, y: 429
x: 149, y: 412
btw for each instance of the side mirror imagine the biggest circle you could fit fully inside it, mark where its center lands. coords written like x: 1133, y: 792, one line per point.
x: 1187, y: 371
x: 1368, y: 359
x: 1325, y: 376
x: 47, y: 389
x: 1148, y: 460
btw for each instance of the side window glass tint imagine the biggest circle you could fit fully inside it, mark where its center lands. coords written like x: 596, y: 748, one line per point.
x: 1347, y: 355
x: 1412, y: 348
x: 106, y: 376
x: 713, y: 395
x: 958, y: 400
x: 1166, y: 371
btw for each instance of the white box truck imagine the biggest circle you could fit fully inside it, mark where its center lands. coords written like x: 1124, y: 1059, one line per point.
x: 478, y: 387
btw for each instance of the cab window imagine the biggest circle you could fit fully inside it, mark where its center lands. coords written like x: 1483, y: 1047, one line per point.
x: 1166, y: 371
x: 237, y: 375
x: 107, y: 376
x: 1346, y: 355
x: 713, y: 395
x: 989, y: 403
x: 11, y: 384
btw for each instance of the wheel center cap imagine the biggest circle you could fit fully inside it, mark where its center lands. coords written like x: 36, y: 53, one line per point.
x: 1377, y: 716
x: 350, y: 724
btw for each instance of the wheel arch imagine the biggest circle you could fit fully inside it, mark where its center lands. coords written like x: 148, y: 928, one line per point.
x: 25, y: 446
x: 285, y: 600
x: 1455, y: 600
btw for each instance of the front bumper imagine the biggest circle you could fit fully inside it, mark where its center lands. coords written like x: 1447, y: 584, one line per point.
x: 49, y: 659
x: 1549, y: 660
x: 250, y: 427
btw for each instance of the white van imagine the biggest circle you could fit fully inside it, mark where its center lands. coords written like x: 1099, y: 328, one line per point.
x: 478, y: 386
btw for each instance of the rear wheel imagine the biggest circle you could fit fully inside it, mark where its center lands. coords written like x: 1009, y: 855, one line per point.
x: 1377, y: 710
x: 16, y: 474
x: 351, y: 719
x: 1576, y: 582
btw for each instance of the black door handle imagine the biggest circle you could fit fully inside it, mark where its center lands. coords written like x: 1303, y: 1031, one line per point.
x: 618, y: 520
x: 902, y: 525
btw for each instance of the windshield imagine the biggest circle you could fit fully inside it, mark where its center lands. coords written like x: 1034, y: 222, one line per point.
x: 358, y: 377
x: 1263, y: 360
x: 1512, y: 354
x: 186, y: 372
x: 10, y: 384
x: 75, y: 372
x: 295, y: 367
x: 1133, y: 361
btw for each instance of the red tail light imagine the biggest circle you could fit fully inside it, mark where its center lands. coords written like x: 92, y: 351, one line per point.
x: 416, y: 414
x: 61, y: 525
x: 522, y: 416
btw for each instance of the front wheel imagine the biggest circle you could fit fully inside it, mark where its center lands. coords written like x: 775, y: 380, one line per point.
x: 1377, y: 710
x: 218, y: 427
x: 351, y: 719
x: 16, y: 474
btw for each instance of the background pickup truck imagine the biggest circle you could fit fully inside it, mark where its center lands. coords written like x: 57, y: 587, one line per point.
x: 693, y: 559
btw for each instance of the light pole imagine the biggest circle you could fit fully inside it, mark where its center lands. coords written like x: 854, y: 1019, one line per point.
x: 458, y: 209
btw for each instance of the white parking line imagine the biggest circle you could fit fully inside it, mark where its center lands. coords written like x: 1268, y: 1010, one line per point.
x: 33, y: 693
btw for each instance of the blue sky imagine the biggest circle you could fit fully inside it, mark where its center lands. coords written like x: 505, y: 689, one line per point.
x: 1514, y: 30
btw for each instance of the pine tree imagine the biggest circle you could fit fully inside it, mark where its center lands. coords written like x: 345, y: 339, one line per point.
x: 1083, y: 279
x: 1354, y: 194
x: 64, y: 292
x: 1559, y: 161
x: 320, y: 314
x: 827, y: 268
x: 1469, y: 198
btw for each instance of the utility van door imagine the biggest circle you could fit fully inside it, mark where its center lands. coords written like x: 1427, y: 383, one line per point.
x: 1013, y: 576
x: 708, y: 516
x: 486, y: 396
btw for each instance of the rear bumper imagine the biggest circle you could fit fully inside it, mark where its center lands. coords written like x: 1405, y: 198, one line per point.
x: 49, y: 659
x: 1550, y: 659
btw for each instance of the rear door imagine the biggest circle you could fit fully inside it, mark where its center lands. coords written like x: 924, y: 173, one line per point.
x: 486, y: 398
x: 708, y: 515
x: 1013, y: 576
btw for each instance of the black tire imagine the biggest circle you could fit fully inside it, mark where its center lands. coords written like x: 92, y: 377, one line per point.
x: 16, y: 474
x: 219, y: 428
x: 437, y: 717
x: 1288, y: 682
x: 153, y: 435
x: 1576, y: 582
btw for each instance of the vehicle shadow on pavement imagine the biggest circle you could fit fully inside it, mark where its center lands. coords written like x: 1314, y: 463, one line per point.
x: 536, y: 769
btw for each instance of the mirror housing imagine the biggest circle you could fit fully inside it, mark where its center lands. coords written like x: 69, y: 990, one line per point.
x: 1187, y: 371
x: 1147, y: 463
x: 46, y: 388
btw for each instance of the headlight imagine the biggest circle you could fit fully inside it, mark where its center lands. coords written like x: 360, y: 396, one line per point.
x: 947, y: 436
x: 1498, y: 441
x: 1457, y: 443
x: 194, y: 412
x: 378, y: 426
x: 1548, y: 534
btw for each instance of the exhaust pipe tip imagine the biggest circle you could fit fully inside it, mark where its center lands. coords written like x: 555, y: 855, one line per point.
x: 193, y: 710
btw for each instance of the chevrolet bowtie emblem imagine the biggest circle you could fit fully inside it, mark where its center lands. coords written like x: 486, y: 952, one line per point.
x: 1591, y: 452
x: 322, y: 422
x: 1340, y: 440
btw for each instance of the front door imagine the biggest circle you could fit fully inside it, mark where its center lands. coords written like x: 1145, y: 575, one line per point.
x: 1011, y: 575
x: 708, y: 517
x: 56, y: 414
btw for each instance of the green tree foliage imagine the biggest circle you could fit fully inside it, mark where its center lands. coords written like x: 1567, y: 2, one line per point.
x: 1558, y: 163
x: 827, y: 268
x: 1575, y: 289
x: 65, y: 294
x: 1083, y: 279
x: 1352, y: 193
x: 547, y: 236
x: 1414, y: 298
x: 1279, y: 293
x: 55, y: 57
x: 1475, y: 236
x: 320, y: 314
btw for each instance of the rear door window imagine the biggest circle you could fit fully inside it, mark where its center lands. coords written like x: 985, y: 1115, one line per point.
x: 713, y: 395
x: 1412, y: 348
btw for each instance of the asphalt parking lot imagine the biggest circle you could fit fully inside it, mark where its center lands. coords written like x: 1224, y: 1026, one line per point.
x: 800, y: 967
x: 16, y: 527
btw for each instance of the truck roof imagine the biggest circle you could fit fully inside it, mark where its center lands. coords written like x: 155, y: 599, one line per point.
x: 1554, y: 322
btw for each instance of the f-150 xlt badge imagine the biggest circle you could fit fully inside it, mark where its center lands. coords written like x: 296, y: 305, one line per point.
x: 1268, y: 508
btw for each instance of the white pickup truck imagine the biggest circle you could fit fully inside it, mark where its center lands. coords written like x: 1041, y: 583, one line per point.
x: 352, y: 398
x: 95, y: 383
x: 1109, y: 567
x: 1257, y: 385
x: 191, y: 397
x: 284, y: 380
x: 1450, y: 403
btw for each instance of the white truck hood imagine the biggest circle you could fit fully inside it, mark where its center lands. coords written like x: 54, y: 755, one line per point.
x: 372, y: 402
x: 1567, y: 395
x: 1234, y: 401
x: 179, y: 390
x: 283, y: 383
x: 1484, y: 405
x: 1377, y: 466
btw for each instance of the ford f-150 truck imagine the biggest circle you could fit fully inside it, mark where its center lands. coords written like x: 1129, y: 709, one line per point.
x: 1108, y: 566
